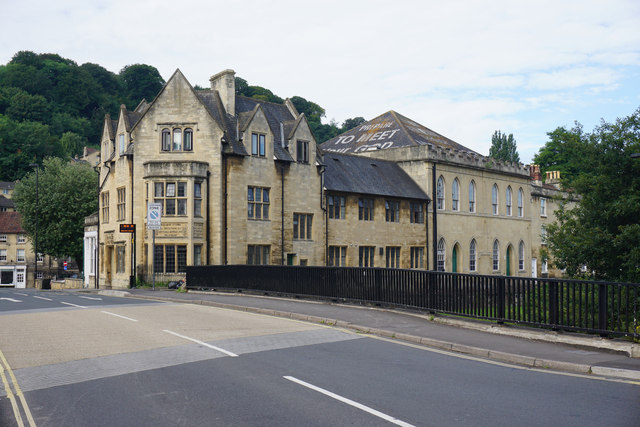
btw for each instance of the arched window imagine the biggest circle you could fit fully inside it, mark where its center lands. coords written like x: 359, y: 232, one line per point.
x: 521, y: 256
x: 472, y: 255
x: 440, y: 193
x: 496, y: 255
x: 166, y: 140
x: 508, y: 194
x: 494, y: 199
x: 188, y: 139
x: 455, y: 195
x: 441, y: 255
x: 177, y: 140
x: 520, y: 202
x: 472, y: 196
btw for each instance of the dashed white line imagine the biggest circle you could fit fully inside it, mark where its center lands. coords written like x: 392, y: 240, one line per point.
x: 92, y: 298
x: 221, y: 350
x: 46, y: 299
x: 18, y: 293
x: 122, y: 317
x: 74, y: 305
x: 350, y: 402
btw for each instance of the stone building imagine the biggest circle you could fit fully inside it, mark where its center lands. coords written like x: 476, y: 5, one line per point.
x: 238, y: 180
x: 17, y: 257
x: 242, y: 181
x: 488, y: 218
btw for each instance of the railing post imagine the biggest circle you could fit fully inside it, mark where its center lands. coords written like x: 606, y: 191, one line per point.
x: 500, y: 295
x: 553, y: 304
x: 602, y: 309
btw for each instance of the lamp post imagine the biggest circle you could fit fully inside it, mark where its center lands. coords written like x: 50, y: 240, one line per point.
x: 35, y: 274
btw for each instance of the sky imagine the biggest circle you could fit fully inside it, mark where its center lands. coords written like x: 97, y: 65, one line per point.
x: 462, y: 68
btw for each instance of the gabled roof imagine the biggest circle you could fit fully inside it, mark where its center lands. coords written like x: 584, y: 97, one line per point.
x: 387, y: 131
x: 6, y: 202
x: 363, y: 175
x: 275, y: 114
x: 10, y: 223
x: 228, y: 123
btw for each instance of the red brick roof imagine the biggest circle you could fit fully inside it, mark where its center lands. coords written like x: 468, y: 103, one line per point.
x: 10, y: 223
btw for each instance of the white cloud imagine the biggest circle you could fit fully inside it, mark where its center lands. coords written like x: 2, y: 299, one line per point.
x: 462, y: 67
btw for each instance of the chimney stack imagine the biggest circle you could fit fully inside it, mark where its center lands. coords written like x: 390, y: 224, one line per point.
x: 536, y: 176
x: 553, y: 178
x: 224, y: 82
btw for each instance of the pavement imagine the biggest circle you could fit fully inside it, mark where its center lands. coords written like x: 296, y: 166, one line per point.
x: 530, y: 347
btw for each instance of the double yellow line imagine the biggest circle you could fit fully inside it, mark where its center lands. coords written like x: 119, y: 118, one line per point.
x: 14, y: 392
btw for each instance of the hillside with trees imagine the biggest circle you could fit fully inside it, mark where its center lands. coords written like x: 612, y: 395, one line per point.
x: 52, y: 107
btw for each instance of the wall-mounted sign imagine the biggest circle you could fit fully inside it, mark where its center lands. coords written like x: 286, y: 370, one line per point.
x: 127, y: 228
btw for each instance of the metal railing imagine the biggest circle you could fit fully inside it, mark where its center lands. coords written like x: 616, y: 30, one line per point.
x: 606, y: 308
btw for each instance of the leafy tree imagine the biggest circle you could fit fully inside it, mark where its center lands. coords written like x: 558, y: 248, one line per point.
x: 22, y: 143
x: 140, y: 82
x: 66, y: 195
x: 565, y: 152
x: 503, y: 147
x: 603, y: 231
x: 351, y: 123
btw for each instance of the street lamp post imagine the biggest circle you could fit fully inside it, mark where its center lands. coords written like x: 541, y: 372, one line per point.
x: 35, y: 274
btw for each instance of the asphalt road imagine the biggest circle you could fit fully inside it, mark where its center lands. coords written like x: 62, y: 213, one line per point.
x: 122, y: 361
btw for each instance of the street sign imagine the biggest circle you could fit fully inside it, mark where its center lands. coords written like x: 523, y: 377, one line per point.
x: 127, y: 228
x: 65, y: 265
x: 154, y: 216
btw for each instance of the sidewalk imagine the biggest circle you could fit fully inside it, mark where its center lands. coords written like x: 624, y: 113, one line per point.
x: 567, y: 352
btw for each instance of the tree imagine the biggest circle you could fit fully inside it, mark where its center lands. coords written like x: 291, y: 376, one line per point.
x: 140, y: 82
x: 603, y: 231
x: 66, y: 195
x: 503, y: 147
x: 351, y: 123
x: 565, y: 152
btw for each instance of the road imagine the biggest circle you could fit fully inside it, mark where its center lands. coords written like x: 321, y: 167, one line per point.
x: 82, y: 359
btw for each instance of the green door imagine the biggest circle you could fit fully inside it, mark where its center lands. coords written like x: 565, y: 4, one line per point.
x: 509, y: 261
x: 454, y: 259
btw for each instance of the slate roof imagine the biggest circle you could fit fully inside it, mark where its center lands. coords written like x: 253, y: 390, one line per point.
x: 275, y: 114
x: 212, y: 102
x: 6, y: 203
x: 10, y: 223
x: 363, y: 175
x: 387, y: 131
x: 7, y: 184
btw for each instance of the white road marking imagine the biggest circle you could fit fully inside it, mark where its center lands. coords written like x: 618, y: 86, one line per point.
x: 221, y: 350
x: 350, y: 402
x: 122, y: 317
x: 46, y: 299
x: 74, y: 305
x: 18, y: 293
x: 11, y: 299
x: 95, y: 299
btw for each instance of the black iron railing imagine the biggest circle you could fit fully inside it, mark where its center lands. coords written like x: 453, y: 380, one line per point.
x: 605, y: 308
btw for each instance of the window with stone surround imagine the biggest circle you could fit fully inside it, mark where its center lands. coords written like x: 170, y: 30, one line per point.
x: 366, y: 256
x: 258, y: 203
x: 392, y: 211
x: 170, y: 258
x: 121, y: 204
x: 417, y: 257
x: 22, y: 238
x: 258, y: 254
x: 177, y: 139
x: 20, y: 255
x: 455, y: 195
x: 417, y: 212
x: 472, y: 196
x: 197, y: 199
x: 393, y: 256
x: 172, y: 196
x: 337, y: 256
x: 336, y: 206
x: 105, y: 206
x: 3, y: 254
x: 302, y: 226
x: 258, y: 142
x: 120, y: 258
x: 302, y: 151
x: 365, y: 209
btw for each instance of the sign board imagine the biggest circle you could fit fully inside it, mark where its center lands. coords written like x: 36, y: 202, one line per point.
x: 154, y: 216
x: 64, y: 265
x: 127, y: 228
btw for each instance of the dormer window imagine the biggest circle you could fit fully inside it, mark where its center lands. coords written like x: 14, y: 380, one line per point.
x: 177, y: 139
x: 121, y: 144
x: 302, y: 151
x: 258, y: 144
